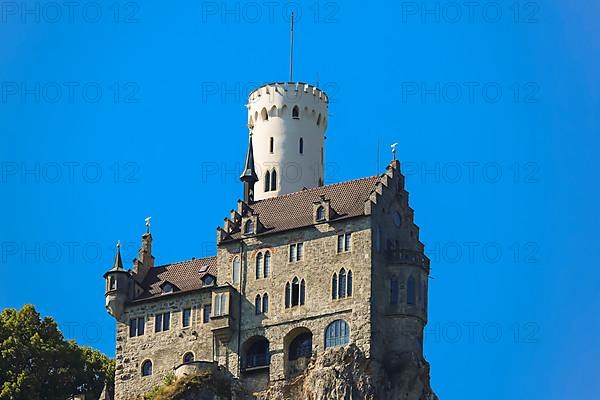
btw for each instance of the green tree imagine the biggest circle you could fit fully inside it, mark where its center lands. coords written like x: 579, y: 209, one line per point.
x: 36, y: 363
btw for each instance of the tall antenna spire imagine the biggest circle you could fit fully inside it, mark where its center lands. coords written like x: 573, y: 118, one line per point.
x: 292, y: 50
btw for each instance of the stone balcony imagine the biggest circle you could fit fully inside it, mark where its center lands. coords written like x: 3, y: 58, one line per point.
x: 407, y: 257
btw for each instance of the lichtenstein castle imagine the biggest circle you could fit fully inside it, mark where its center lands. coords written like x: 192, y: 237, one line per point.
x: 303, y: 272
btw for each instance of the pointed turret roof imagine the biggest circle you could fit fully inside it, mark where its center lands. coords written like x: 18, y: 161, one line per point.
x: 249, y: 173
x: 118, y: 264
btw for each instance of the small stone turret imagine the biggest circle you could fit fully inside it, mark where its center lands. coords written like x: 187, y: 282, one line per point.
x: 117, y: 286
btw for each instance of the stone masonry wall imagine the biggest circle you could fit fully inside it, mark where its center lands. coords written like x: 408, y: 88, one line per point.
x: 321, y: 259
x: 164, y: 349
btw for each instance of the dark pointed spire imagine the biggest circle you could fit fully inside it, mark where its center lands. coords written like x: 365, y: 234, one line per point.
x: 249, y: 176
x: 118, y: 264
x: 249, y: 173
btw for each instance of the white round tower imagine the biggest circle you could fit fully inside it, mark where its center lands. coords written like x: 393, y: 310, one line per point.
x: 288, y: 123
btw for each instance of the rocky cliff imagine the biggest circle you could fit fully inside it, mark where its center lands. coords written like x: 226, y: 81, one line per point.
x: 337, y: 374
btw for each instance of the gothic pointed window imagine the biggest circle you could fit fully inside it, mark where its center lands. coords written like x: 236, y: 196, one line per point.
x: 302, y: 292
x: 296, y: 112
x: 259, y: 265
x: 147, y: 368
x: 410, y: 291
x: 295, y: 292
x: 267, y: 181
x: 264, y: 115
x: 334, y: 282
x: 265, y: 303
x: 301, y: 146
x: 337, y: 334
x: 349, y: 284
x: 236, y: 270
x: 274, y: 180
x: 288, y: 295
x: 267, y: 269
x: 257, y: 304
x: 342, y: 284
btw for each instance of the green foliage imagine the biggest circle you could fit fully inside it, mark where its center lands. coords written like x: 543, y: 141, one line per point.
x: 36, y: 363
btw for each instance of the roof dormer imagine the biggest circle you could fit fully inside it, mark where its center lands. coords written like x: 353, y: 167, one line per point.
x: 322, y: 211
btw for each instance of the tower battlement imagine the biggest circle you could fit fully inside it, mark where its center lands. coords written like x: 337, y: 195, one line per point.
x: 288, y: 123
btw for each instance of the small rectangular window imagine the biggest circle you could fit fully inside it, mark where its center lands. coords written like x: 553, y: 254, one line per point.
x: 141, y: 325
x: 347, y: 242
x: 300, y: 252
x: 186, y: 315
x: 133, y: 327
x: 340, y: 243
x: 166, y: 321
x: 292, y: 252
x: 206, y: 313
x: 158, y: 323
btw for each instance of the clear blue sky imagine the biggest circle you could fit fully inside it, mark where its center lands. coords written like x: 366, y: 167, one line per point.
x: 157, y: 133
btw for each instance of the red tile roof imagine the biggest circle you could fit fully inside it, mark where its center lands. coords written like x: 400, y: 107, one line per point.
x: 184, y: 275
x: 295, y: 210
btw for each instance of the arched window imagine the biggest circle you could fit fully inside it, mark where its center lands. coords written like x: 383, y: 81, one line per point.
x: 273, y: 111
x: 302, y: 292
x: 264, y: 115
x: 147, y: 368
x: 258, y: 354
x: 271, y: 145
x: 342, y: 284
x: 301, y: 146
x: 349, y: 285
x: 249, y: 227
x: 337, y: 334
x: 267, y: 181
x: 257, y: 304
x: 236, y: 270
x: 410, y: 291
x: 321, y: 213
x: 259, y: 265
x: 301, y: 346
x: 295, y: 291
x: 288, y: 295
x: 296, y: 112
x: 334, y: 282
x: 267, y: 270
x: 265, y: 303
x: 274, y: 180
x: 188, y: 357
x: 394, y: 291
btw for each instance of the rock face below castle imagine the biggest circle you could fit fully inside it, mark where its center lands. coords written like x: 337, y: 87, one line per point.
x: 338, y: 374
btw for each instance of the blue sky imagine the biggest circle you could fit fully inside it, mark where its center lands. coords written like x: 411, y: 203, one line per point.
x: 496, y: 115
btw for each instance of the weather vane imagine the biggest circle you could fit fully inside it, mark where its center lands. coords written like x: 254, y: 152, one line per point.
x: 148, y: 224
x: 394, y: 150
x: 118, y: 244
